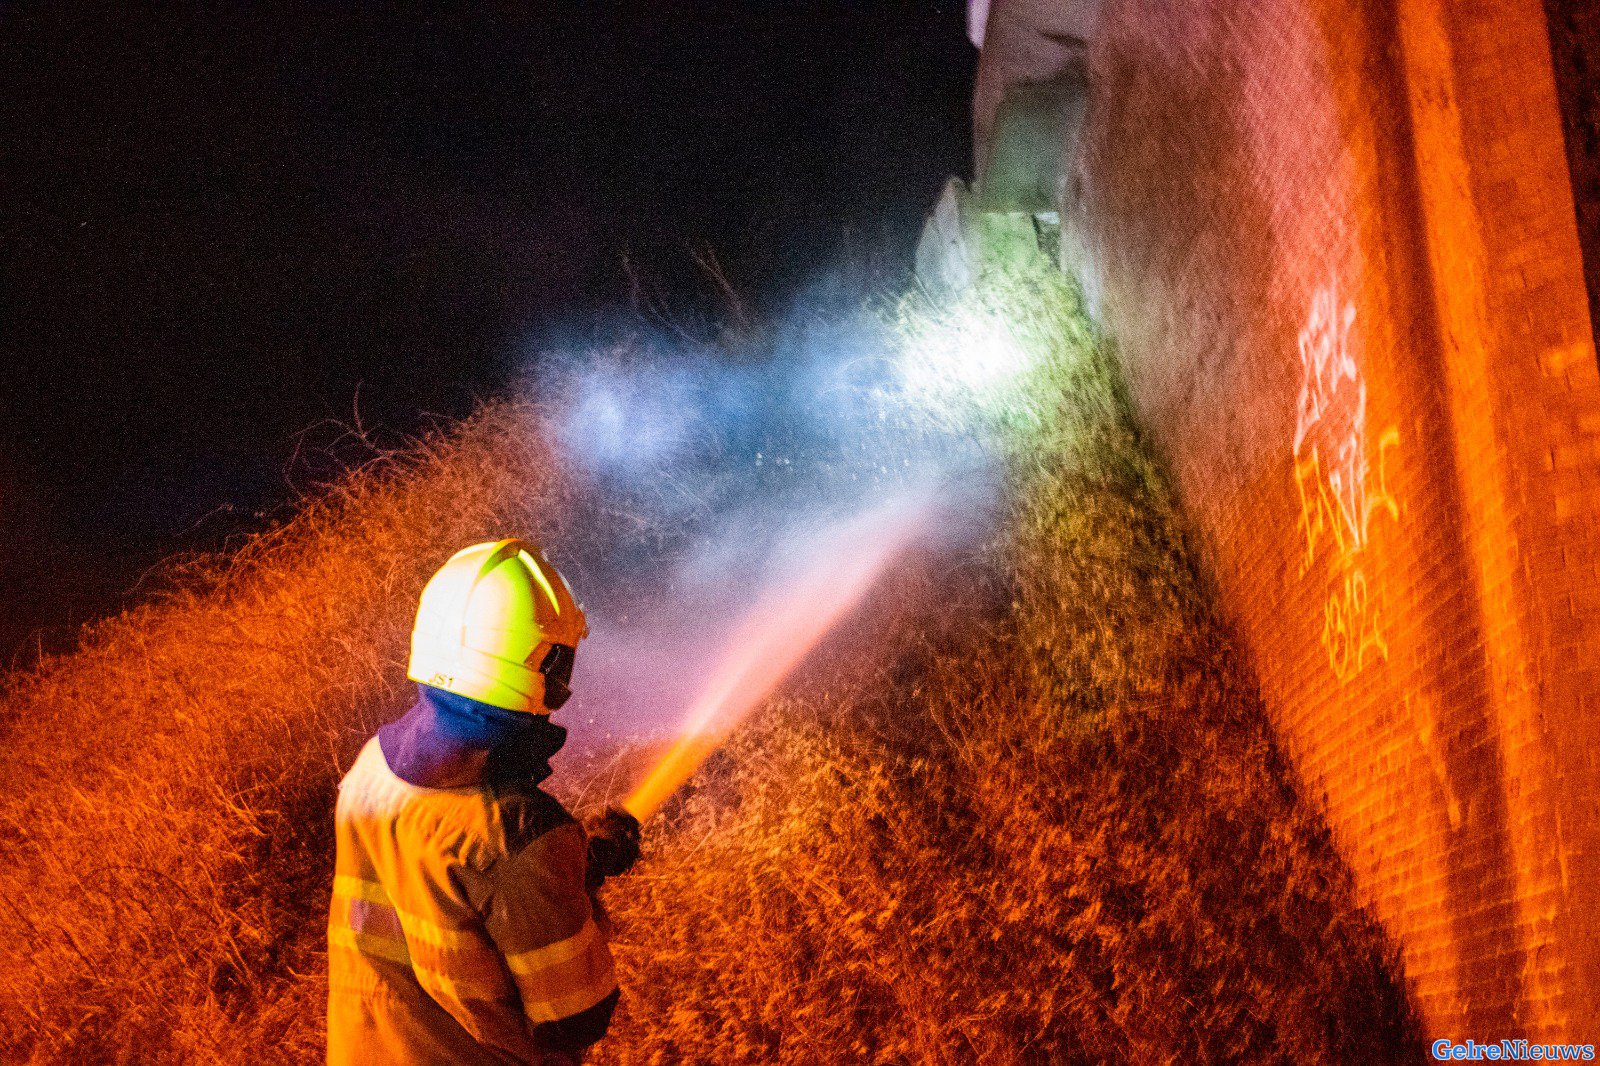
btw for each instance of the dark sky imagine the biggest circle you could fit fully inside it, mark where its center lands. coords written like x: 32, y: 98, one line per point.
x: 219, y: 229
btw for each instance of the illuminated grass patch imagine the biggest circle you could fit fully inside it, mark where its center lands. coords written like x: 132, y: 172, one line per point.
x: 1061, y: 833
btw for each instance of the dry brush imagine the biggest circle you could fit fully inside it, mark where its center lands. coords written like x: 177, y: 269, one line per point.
x: 1055, y: 829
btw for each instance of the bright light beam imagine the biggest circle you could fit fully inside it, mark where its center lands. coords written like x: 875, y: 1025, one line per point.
x: 972, y: 357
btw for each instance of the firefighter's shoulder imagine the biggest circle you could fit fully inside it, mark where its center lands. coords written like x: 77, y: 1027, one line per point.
x: 530, y: 818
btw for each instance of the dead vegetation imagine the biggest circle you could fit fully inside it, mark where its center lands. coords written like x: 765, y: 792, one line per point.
x: 167, y: 831
x: 1056, y: 832
x: 1063, y: 835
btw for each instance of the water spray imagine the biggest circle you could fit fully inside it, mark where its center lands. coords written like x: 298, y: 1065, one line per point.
x: 713, y: 471
x: 790, y: 617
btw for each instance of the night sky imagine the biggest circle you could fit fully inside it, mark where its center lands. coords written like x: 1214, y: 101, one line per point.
x: 221, y: 229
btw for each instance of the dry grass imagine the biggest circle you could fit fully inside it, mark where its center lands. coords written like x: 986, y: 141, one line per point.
x: 168, y: 826
x: 1062, y: 834
x: 1057, y: 831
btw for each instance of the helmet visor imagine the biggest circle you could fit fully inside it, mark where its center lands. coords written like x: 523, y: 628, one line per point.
x: 557, y: 671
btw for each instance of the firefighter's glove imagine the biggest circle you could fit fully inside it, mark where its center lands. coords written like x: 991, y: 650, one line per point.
x: 613, y: 845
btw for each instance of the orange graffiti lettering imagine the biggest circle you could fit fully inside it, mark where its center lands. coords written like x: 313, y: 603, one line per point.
x: 1339, y: 501
x: 1352, y: 627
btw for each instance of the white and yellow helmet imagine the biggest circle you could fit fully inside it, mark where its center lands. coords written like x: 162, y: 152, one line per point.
x: 497, y: 624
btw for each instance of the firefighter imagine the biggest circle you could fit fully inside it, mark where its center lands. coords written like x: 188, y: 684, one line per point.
x: 463, y: 927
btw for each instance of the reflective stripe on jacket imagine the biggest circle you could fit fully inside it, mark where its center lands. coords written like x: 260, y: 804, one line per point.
x: 460, y: 930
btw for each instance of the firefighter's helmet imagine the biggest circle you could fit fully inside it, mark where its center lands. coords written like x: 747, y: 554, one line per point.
x: 497, y: 624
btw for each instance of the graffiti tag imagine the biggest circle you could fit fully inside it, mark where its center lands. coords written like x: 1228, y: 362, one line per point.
x: 1341, y: 485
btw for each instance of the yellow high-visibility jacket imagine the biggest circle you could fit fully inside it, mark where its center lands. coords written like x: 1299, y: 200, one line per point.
x: 460, y: 930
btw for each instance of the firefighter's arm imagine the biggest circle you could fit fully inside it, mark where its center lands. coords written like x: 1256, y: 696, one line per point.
x: 540, y: 916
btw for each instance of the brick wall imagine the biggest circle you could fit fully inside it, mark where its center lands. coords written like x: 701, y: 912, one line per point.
x: 1335, y: 242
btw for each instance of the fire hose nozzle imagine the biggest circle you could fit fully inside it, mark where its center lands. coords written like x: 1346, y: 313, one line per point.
x: 614, y: 845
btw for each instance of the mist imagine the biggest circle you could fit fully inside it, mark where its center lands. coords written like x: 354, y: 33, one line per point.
x: 739, y: 499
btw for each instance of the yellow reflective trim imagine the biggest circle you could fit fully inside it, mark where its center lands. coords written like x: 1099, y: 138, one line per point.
x: 419, y: 929
x: 437, y: 936
x: 530, y: 962
x: 365, y: 917
x: 554, y: 1008
x: 579, y: 967
x: 369, y: 944
x: 598, y: 980
x: 455, y: 986
x: 360, y: 888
